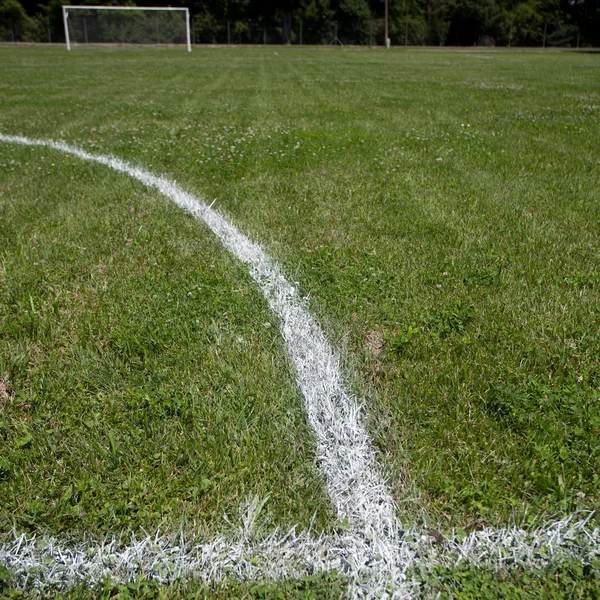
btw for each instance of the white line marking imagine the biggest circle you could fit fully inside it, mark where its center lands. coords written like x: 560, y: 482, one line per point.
x: 380, y: 559
x: 345, y: 455
x: 50, y: 564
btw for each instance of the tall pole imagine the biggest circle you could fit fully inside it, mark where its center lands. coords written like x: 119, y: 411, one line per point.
x: 544, y: 42
x: 65, y: 15
x: 387, y: 37
x: 85, y: 29
x: 187, y: 29
x: 301, y: 32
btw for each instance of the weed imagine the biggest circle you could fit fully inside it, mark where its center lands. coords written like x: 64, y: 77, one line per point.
x: 400, y: 342
x: 451, y: 319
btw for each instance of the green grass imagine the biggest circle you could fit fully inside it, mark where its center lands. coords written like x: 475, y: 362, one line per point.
x: 570, y: 579
x: 440, y: 208
x: 144, y: 380
x: 330, y: 586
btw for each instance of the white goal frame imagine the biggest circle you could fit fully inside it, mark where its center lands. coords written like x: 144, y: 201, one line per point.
x: 66, y: 9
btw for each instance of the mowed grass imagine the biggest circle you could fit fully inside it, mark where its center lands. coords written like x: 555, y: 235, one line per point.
x: 570, y: 579
x: 440, y: 208
x: 144, y: 384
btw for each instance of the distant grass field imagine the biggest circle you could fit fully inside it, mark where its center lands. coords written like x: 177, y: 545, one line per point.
x: 440, y: 209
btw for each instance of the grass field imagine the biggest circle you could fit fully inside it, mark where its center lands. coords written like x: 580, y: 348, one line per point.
x: 441, y: 211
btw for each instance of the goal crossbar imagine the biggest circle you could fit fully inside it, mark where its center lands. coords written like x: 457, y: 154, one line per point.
x: 66, y: 9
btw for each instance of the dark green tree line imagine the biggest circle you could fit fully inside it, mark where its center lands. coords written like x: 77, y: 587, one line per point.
x: 412, y: 22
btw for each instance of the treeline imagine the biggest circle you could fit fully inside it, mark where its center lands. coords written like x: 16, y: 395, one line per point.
x: 411, y: 22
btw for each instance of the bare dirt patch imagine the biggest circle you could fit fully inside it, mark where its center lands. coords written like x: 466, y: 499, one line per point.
x: 7, y: 396
x: 374, y: 342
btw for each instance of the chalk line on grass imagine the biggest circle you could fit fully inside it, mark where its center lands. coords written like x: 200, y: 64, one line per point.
x: 44, y: 564
x: 345, y: 455
x: 378, y: 556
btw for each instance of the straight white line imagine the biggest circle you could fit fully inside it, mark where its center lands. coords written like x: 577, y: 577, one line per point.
x: 42, y: 564
x: 94, y: 7
x: 345, y: 455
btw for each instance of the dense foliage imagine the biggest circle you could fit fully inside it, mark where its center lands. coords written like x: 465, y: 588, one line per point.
x: 438, y: 22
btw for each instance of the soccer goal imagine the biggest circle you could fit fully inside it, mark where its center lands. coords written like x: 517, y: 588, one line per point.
x: 126, y: 25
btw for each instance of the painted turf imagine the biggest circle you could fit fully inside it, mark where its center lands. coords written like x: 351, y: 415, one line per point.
x: 375, y: 552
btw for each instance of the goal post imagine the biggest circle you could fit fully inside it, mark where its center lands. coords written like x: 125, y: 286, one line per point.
x: 127, y: 24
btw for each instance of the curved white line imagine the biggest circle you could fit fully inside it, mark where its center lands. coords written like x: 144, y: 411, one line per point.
x: 345, y: 455
x: 380, y: 560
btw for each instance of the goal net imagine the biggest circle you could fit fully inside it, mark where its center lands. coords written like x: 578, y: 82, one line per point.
x: 126, y: 25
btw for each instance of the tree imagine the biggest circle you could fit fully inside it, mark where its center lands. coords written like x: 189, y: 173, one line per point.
x: 443, y: 22
x: 528, y: 20
x: 14, y: 21
x: 318, y: 17
x: 439, y: 19
x: 408, y: 22
x: 285, y: 10
x: 585, y: 15
x: 354, y: 18
x: 475, y: 20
